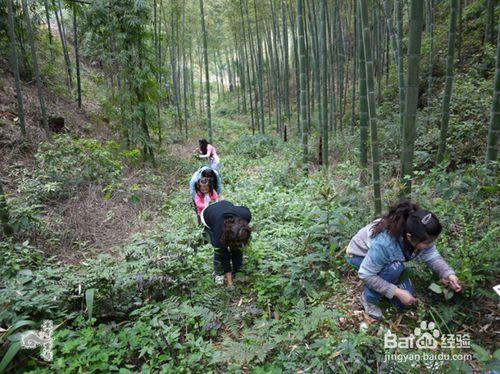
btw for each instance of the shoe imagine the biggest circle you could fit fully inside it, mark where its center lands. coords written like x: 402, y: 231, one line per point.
x: 219, y: 280
x: 373, y: 310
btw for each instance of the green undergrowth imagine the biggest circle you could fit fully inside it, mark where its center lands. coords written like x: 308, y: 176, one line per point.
x: 153, y: 305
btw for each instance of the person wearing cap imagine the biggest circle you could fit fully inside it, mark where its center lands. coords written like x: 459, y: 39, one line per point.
x: 228, y: 226
x: 380, y: 248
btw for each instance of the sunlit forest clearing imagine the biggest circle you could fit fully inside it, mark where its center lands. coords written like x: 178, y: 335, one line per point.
x: 315, y: 118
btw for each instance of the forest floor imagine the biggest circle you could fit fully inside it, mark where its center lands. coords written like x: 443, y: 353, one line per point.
x: 128, y: 280
x: 87, y: 222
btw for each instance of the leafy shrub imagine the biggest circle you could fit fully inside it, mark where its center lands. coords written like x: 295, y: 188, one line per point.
x: 255, y: 146
x: 67, y: 164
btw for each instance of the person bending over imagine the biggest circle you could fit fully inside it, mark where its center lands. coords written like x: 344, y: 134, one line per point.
x: 229, y: 230
x: 379, y: 250
x: 209, y: 152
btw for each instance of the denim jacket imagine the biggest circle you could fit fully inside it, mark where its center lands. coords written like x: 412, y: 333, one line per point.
x: 385, y: 250
x: 197, y: 176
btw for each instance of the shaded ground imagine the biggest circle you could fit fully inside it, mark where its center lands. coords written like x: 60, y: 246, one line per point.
x: 90, y: 221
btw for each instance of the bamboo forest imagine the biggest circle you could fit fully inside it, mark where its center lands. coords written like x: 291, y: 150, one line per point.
x: 249, y: 186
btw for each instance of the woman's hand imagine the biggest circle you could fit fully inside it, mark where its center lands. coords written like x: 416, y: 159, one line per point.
x: 405, y: 297
x: 453, y: 282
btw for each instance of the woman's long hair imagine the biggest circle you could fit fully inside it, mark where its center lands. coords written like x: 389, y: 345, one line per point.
x: 214, y: 181
x: 236, y: 232
x: 408, y: 218
x: 203, y: 145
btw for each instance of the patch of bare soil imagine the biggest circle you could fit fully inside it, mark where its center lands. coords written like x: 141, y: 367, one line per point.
x: 89, y: 222
x: 77, y: 121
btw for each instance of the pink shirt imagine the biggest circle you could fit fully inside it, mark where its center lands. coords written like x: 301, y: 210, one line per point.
x: 212, y: 153
x: 202, y: 200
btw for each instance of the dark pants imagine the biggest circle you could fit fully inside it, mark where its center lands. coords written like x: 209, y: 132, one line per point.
x: 236, y: 258
x: 391, y: 273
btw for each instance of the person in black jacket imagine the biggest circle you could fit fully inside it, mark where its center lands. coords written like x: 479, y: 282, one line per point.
x: 229, y: 232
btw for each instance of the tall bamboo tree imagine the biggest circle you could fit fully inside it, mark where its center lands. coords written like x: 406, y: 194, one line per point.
x: 304, y: 125
x: 324, y: 88
x: 402, y: 89
x: 396, y: 50
x: 77, y: 58
x: 431, y: 52
x: 363, y: 110
x: 489, y: 34
x: 38, y: 79
x: 184, y: 70
x: 494, y: 127
x: 15, y: 68
x: 286, y: 67
x: 372, y: 113
x: 354, y: 66
x: 49, y: 29
x: 411, y: 97
x: 4, y: 210
x: 62, y: 36
x: 260, y: 70
x: 450, y: 64
x: 207, y: 77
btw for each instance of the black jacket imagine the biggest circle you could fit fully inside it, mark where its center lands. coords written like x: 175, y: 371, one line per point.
x: 215, y: 214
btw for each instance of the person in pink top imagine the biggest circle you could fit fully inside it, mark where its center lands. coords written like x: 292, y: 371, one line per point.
x: 209, y: 152
x: 205, y: 194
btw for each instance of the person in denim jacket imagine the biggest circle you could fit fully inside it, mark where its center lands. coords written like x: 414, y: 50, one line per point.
x: 379, y: 250
x: 207, y: 172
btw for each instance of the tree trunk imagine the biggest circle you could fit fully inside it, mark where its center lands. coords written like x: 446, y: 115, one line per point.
x: 63, y: 44
x: 411, y: 99
x: 431, y: 55
x: 494, y: 128
x: 184, y: 70
x: 49, y: 29
x: 39, y: 86
x: 370, y: 85
x: 207, y: 78
x: 77, y: 59
x: 324, y: 79
x: 15, y: 69
x: 354, y: 72
x: 450, y: 64
x: 490, y: 21
x: 286, y: 72
x: 260, y: 75
x: 4, y: 210
x: 302, y: 81
x: 363, y: 111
